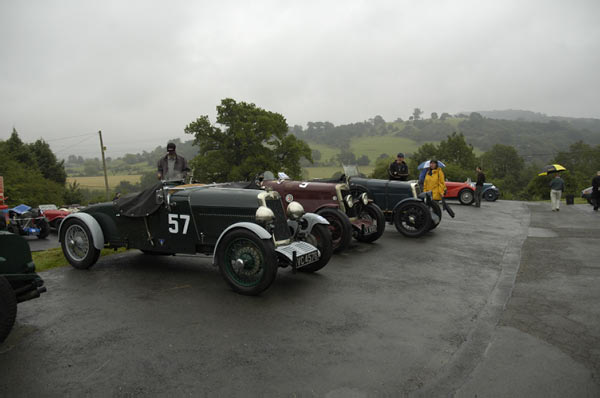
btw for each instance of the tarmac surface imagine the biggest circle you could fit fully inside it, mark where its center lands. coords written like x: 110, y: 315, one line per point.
x: 500, y: 301
x: 36, y: 244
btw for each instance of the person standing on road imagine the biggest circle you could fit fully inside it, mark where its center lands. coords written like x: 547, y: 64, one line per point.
x: 479, y: 186
x: 557, y: 186
x: 398, y: 170
x: 172, y: 166
x: 596, y: 191
x: 435, y: 181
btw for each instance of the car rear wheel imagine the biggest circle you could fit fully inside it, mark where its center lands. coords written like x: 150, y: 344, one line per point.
x: 320, y: 237
x: 8, y: 308
x: 371, y: 212
x: 412, y: 219
x: 490, y: 195
x: 78, y: 244
x: 340, y: 227
x: 466, y: 197
x: 438, y: 212
x: 246, y: 262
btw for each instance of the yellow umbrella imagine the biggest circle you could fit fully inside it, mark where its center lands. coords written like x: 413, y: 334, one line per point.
x: 551, y: 168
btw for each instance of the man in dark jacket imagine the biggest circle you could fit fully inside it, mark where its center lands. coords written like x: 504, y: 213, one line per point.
x: 596, y: 191
x: 479, y: 186
x: 398, y: 170
x: 172, y: 166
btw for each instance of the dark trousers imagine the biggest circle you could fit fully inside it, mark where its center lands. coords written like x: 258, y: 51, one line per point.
x: 596, y: 199
x: 478, y: 194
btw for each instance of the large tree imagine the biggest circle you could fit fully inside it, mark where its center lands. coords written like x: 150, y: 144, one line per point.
x: 246, y: 140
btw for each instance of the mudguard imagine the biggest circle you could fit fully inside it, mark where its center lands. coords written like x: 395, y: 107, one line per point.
x: 255, y: 228
x: 406, y: 201
x: 312, y: 219
x: 91, y: 223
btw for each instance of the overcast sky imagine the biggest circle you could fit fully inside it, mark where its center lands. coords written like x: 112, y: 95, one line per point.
x: 140, y: 71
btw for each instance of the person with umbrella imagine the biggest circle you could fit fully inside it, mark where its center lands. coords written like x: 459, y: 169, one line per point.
x: 424, y: 167
x: 435, y: 181
x: 557, y: 185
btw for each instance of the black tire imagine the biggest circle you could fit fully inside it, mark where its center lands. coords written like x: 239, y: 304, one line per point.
x: 466, y: 197
x: 374, y: 213
x: 8, y: 308
x: 44, y: 227
x: 490, y: 195
x: 340, y: 227
x: 590, y: 201
x: 13, y: 229
x: 77, y: 244
x: 258, y: 262
x: 320, y: 237
x: 438, y: 212
x: 412, y: 219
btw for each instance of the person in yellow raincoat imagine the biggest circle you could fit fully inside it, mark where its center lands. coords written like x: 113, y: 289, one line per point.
x: 435, y: 181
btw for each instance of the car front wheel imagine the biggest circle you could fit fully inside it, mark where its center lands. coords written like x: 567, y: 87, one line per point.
x: 490, y: 195
x: 340, y: 227
x: 78, y: 244
x: 44, y: 228
x: 319, y: 237
x: 412, y: 219
x: 246, y: 262
x: 8, y: 308
x: 371, y: 212
x: 466, y: 197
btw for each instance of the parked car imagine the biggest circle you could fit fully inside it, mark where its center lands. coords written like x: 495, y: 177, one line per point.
x: 23, y: 220
x: 18, y: 279
x: 412, y: 212
x: 248, y: 232
x: 53, y: 214
x: 348, y: 215
x: 463, y: 191
x: 490, y: 193
x: 587, y: 195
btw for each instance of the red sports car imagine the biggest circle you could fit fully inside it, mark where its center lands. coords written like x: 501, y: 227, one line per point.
x: 462, y: 191
x: 53, y: 215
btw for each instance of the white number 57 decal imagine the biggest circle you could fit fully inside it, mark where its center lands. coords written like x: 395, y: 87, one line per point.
x: 174, y: 224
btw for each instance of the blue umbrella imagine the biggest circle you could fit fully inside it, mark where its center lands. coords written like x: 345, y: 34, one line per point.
x: 425, y: 164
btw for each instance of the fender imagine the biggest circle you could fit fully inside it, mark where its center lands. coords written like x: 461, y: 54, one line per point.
x: 312, y: 219
x: 406, y: 201
x: 250, y: 226
x: 91, y: 223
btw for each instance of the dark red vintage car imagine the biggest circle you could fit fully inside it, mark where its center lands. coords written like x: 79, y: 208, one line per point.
x: 53, y: 215
x: 463, y: 191
x: 348, y: 215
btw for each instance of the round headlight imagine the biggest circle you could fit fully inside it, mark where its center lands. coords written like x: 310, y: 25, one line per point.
x: 349, y: 200
x: 295, y: 210
x: 364, y: 198
x: 264, y: 214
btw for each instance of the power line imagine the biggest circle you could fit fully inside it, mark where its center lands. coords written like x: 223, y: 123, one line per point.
x: 68, y: 138
x: 71, y: 146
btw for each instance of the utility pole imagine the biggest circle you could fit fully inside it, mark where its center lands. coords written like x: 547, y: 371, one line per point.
x: 102, y: 149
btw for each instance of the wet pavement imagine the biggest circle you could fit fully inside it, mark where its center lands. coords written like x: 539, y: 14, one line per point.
x: 435, y: 316
x: 36, y: 244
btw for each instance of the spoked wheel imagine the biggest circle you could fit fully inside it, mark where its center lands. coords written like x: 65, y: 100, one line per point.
x: 319, y: 237
x: 490, y: 195
x: 466, y: 197
x: 412, y: 219
x: 78, y: 244
x: 246, y: 262
x: 375, y: 216
x: 340, y: 227
x: 8, y: 308
x: 437, y: 211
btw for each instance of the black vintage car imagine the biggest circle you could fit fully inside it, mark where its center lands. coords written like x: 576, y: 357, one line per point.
x: 246, y: 231
x: 412, y: 212
x: 18, y: 279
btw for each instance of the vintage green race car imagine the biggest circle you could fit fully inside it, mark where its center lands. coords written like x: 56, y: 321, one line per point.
x: 18, y: 279
x: 247, y: 232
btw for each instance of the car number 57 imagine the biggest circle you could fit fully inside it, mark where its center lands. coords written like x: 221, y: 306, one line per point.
x: 174, y: 223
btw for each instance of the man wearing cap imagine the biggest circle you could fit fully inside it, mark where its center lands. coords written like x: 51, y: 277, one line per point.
x: 172, y: 166
x: 398, y: 169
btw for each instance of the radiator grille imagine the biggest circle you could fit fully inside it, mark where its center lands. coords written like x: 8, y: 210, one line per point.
x: 281, y: 232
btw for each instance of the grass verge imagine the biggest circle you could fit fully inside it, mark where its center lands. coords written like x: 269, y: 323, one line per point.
x: 53, y: 258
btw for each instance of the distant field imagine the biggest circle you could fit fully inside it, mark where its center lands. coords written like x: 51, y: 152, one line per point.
x: 327, y: 152
x: 328, y: 171
x: 375, y: 146
x: 97, y: 182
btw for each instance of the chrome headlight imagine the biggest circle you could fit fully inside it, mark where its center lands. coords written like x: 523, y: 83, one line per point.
x: 365, y: 198
x: 264, y: 214
x: 349, y: 201
x: 295, y: 210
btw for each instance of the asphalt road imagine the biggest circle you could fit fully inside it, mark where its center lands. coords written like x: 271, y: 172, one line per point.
x: 435, y: 316
x: 36, y: 244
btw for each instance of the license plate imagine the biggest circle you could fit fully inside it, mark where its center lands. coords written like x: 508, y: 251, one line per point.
x: 307, y: 258
x: 369, y: 229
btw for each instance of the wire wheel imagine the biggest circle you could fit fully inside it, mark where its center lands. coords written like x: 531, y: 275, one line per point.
x: 244, y: 262
x: 412, y: 219
x: 77, y: 242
